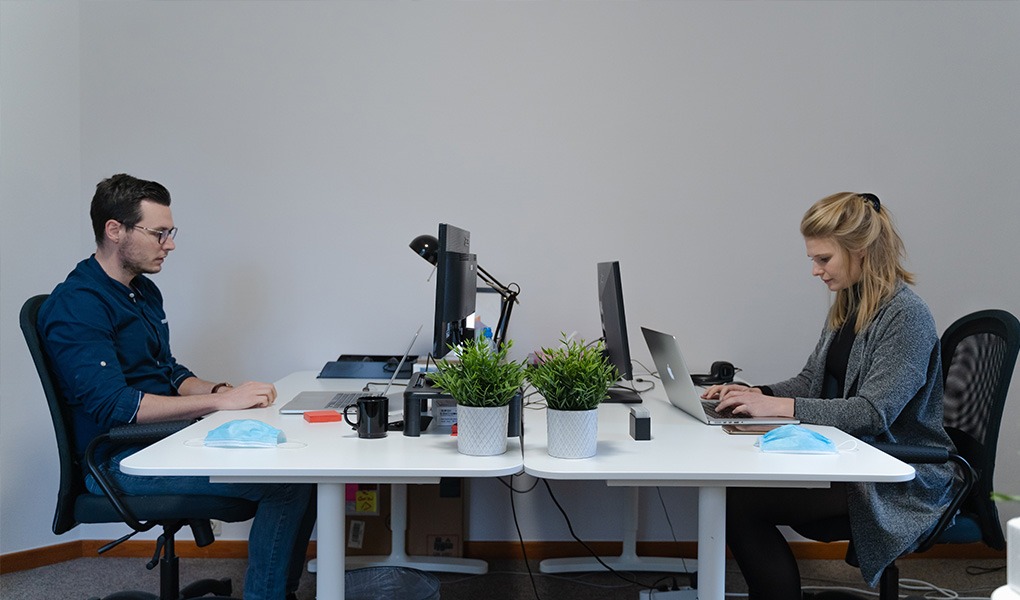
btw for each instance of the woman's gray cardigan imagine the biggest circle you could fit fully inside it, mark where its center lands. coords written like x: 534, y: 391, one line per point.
x: 894, y: 376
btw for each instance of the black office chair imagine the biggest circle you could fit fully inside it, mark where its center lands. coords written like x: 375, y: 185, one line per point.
x: 75, y: 504
x: 979, y: 353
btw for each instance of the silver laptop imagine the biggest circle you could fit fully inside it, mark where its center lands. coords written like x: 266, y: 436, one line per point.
x: 680, y: 388
x: 306, y: 401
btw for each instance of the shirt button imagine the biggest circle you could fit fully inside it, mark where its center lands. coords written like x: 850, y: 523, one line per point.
x: 102, y: 363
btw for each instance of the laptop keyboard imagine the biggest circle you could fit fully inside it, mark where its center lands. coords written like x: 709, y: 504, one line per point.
x: 711, y: 412
x: 343, y: 400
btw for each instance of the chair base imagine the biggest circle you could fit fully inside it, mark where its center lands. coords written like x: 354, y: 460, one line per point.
x: 220, y: 589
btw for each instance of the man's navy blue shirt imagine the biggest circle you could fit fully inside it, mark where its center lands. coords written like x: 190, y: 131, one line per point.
x: 109, y: 344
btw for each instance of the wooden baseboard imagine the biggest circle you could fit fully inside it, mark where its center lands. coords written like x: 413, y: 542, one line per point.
x: 49, y: 555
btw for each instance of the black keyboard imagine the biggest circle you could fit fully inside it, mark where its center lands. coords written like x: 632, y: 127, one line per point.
x: 343, y: 400
x: 711, y: 412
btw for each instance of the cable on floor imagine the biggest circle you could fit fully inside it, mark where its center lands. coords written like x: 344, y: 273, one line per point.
x: 591, y: 551
x: 520, y: 537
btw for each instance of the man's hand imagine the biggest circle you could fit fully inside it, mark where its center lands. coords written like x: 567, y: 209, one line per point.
x: 250, y: 394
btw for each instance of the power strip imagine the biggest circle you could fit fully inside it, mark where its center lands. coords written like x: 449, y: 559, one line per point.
x: 685, y: 594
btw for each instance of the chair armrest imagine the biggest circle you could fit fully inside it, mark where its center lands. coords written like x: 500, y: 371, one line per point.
x: 914, y: 454
x: 936, y: 455
x: 145, y: 433
x: 135, y: 433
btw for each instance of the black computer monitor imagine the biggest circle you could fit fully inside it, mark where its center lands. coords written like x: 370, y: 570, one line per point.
x: 614, y: 329
x: 456, y: 272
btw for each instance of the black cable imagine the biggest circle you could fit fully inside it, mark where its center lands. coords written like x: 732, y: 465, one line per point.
x: 976, y: 570
x: 647, y: 370
x: 594, y: 554
x: 520, y: 537
x: 516, y: 491
x: 633, y: 388
x: 672, y: 532
x: 368, y: 386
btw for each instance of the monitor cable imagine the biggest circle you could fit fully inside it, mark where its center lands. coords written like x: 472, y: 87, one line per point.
x: 520, y: 536
x: 590, y: 550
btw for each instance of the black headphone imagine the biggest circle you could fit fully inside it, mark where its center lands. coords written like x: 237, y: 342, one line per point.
x: 720, y: 372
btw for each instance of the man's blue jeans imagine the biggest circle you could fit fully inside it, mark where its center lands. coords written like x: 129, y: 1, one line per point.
x: 279, y: 533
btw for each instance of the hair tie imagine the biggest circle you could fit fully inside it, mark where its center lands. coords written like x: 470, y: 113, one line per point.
x: 873, y: 200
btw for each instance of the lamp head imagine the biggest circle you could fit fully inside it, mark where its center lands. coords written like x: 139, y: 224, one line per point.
x: 427, y: 247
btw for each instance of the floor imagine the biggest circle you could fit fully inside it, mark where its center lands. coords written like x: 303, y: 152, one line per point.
x: 507, y: 579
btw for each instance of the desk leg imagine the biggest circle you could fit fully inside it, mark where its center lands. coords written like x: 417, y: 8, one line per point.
x: 711, y: 543
x: 398, y: 555
x: 329, y: 583
x: 628, y: 559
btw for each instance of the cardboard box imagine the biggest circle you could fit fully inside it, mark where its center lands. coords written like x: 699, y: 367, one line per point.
x: 435, y: 518
x: 368, y: 519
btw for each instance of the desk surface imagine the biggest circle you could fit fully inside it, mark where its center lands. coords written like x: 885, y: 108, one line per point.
x: 318, y: 451
x: 684, y: 451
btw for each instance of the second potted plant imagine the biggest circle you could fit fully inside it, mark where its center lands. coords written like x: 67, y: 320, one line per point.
x: 483, y: 382
x: 573, y: 379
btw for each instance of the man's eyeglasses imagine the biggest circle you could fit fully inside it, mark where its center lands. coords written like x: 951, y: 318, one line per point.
x: 161, y: 234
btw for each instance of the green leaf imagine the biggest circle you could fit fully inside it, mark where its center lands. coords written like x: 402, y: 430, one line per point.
x: 482, y: 376
x: 573, y: 376
x: 1000, y: 497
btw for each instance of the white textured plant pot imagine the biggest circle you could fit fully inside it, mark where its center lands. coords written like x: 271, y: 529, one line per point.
x: 481, y: 431
x: 1013, y: 554
x: 572, y: 433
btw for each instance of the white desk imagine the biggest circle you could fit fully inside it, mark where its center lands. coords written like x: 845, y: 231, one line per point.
x: 329, y: 455
x: 684, y: 452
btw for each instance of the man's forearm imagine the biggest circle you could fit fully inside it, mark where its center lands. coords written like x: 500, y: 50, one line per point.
x: 199, y: 397
x: 193, y: 386
x: 155, y: 408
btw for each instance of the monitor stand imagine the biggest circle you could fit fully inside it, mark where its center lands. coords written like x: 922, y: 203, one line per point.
x: 621, y: 395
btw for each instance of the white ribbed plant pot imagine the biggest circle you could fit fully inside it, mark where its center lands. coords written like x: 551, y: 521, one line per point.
x: 481, y: 430
x: 572, y: 433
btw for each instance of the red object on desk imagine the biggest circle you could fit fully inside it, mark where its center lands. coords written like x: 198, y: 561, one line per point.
x: 322, y: 416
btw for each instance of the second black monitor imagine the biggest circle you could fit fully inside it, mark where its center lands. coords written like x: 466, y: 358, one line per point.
x: 614, y: 329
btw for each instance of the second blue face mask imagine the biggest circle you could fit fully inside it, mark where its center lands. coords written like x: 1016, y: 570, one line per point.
x: 796, y: 440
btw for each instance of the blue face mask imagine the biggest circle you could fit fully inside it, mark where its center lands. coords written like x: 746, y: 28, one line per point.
x: 245, y: 433
x: 796, y: 440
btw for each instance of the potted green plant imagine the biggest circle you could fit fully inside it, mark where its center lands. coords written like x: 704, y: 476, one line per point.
x: 573, y: 378
x: 483, y: 382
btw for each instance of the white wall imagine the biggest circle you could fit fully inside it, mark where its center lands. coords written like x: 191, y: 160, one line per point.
x: 41, y: 234
x: 305, y: 144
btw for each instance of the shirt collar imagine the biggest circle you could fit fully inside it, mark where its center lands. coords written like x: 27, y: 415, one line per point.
x: 95, y: 270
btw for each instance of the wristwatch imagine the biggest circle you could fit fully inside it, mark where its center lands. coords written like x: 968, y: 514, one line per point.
x: 217, y: 387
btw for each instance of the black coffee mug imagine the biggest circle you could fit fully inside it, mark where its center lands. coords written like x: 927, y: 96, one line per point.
x: 373, y: 414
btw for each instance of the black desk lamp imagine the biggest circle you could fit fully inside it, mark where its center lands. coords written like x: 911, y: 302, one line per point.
x: 427, y: 247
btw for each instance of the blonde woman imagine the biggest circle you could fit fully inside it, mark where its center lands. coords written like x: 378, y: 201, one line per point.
x: 876, y: 373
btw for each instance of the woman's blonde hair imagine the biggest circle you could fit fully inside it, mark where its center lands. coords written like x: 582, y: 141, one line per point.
x: 859, y: 225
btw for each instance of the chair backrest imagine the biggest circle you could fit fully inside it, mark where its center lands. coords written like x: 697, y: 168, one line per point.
x: 71, y: 481
x: 979, y: 353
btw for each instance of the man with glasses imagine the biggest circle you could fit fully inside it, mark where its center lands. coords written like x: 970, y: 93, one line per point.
x: 108, y: 340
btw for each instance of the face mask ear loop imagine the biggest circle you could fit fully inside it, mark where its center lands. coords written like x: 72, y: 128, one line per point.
x: 847, y: 446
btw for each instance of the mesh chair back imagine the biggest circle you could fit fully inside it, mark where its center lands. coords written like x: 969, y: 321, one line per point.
x: 979, y: 353
x: 71, y: 480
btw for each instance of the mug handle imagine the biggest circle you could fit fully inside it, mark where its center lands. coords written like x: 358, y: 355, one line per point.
x: 348, y: 418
